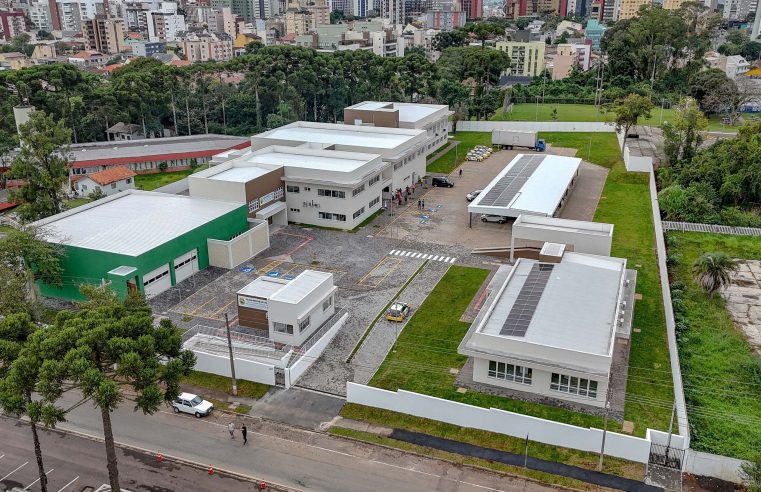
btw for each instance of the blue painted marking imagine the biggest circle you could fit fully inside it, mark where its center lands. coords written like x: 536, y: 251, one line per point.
x: 439, y: 206
x: 423, y: 221
x: 273, y: 273
x: 246, y: 269
x: 289, y: 277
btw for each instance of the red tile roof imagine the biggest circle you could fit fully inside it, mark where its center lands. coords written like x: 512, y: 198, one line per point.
x: 116, y: 161
x: 180, y: 63
x: 111, y: 175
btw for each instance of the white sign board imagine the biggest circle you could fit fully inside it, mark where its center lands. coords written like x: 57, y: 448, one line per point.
x: 252, y: 303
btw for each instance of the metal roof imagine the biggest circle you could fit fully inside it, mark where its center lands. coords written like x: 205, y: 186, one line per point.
x: 298, y: 288
x: 530, y: 183
x: 263, y: 287
x: 132, y: 222
x: 340, y: 134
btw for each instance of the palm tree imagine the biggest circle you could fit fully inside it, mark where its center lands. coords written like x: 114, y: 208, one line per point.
x: 712, y: 271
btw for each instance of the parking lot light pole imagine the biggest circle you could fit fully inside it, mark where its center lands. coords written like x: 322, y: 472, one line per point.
x: 232, y: 362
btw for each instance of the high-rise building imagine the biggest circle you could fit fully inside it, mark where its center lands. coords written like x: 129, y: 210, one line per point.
x: 103, y: 35
x: 626, y: 9
x: 165, y: 23
x: 207, y: 47
x: 474, y: 9
x: 594, y: 33
x: 526, y: 59
x: 13, y: 23
x: 739, y: 9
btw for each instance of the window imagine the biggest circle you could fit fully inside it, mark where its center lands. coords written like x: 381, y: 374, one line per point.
x: 398, y: 165
x: 283, y: 328
x: 373, y: 180
x: 573, y: 385
x: 253, y: 205
x: 327, y: 303
x: 359, y: 212
x: 374, y: 202
x: 292, y: 189
x: 113, y: 186
x: 129, y: 180
x: 332, y: 216
x: 84, y: 187
x: 509, y: 372
x: 331, y: 193
x: 297, y: 210
x: 304, y: 324
x: 359, y: 189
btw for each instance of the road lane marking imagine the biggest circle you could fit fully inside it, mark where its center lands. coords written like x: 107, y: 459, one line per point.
x: 64, y: 487
x: 14, y: 471
x: 46, y: 474
x: 2, y: 456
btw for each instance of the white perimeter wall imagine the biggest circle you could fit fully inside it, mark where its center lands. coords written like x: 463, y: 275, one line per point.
x: 293, y: 373
x: 712, y: 465
x: 595, y: 244
x: 229, y: 254
x: 500, y: 421
x: 537, y: 126
x: 244, y: 369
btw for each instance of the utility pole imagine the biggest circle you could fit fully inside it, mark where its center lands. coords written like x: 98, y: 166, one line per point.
x: 605, y: 425
x: 671, y: 430
x: 232, y: 361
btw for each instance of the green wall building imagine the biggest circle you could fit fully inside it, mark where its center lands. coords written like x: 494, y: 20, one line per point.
x: 138, y: 241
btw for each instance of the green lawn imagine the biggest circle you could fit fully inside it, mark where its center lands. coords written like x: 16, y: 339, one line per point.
x: 715, y: 124
x: 625, y: 203
x: 77, y: 202
x: 221, y: 383
x: 6, y: 228
x: 149, y: 182
x: 455, y: 157
x: 722, y: 377
x: 572, y: 112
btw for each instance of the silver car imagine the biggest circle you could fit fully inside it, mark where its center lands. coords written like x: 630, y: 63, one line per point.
x: 472, y: 195
x: 493, y: 218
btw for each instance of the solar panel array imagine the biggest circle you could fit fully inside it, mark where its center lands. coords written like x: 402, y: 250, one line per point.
x: 503, y: 192
x: 525, y: 304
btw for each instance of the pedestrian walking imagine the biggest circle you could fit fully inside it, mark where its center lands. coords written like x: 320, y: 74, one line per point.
x: 419, y: 205
x: 231, y: 430
x: 244, y: 433
x: 405, y: 199
x: 460, y: 172
x: 422, y: 204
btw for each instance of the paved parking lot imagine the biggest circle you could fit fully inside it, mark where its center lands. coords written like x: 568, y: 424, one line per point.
x: 445, y: 218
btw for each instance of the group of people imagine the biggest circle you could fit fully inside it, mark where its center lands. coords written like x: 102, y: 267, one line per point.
x: 404, y: 194
x: 243, y: 431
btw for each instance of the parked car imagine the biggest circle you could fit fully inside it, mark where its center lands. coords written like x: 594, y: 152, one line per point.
x: 442, y: 181
x: 472, y: 195
x: 397, y: 312
x: 493, y: 218
x: 190, y: 403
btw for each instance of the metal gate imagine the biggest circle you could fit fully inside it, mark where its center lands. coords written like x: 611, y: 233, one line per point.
x: 666, y: 456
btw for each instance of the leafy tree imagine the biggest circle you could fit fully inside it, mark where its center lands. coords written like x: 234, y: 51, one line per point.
x: 448, y: 39
x: 24, y: 257
x: 713, y: 271
x: 682, y: 135
x: 43, y: 164
x: 629, y: 110
x: 705, y: 82
x: 695, y: 203
x: 729, y: 98
x: 107, y: 346
x: 484, y: 30
x: 96, y: 194
x: 20, y: 365
x: 163, y: 166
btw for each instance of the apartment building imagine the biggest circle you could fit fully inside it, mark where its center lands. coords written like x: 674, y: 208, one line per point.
x: 207, y: 47
x: 165, y: 24
x: 594, y: 33
x: 568, y: 56
x: 446, y: 19
x: 103, y: 35
x: 12, y: 24
x: 626, y: 9
x: 526, y: 59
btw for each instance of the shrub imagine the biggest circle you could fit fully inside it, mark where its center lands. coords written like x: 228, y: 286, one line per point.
x: 695, y: 203
x: 734, y: 216
x: 163, y: 165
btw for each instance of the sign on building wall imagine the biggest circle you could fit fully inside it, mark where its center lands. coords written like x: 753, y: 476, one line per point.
x: 252, y: 303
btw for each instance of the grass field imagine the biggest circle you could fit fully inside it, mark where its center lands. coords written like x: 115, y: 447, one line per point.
x: 722, y: 377
x: 149, y: 182
x: 221, y: 383
x: 572, y: 112
x: 625, y: 202
x: 454, y: 157
x: 77, y: 202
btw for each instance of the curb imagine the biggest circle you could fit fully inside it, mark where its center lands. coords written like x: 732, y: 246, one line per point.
x: 270, y: 485
x: 452, y: 462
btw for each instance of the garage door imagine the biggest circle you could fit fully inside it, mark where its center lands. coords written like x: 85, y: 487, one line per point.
x: 185, y: 266
x: 157, y: 281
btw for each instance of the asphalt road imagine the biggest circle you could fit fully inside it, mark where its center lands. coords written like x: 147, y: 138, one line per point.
x: 77, y: 464
x: 292, y: 457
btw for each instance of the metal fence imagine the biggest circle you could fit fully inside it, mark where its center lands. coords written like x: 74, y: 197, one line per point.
x: 246, y: 345
x: 712, y: 228
x: 326, y: 325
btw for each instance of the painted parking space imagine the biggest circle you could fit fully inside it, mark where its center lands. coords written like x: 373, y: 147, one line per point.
x: 380, y: 272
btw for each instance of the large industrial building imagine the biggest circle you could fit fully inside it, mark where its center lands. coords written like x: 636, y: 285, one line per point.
x: 534, y: 184
x: 549, y: 328
x: 138, y: 241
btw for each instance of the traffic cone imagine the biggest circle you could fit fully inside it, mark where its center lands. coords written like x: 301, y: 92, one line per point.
x: 159, y: 457
x: 263, y: 486
x: 211, y: 471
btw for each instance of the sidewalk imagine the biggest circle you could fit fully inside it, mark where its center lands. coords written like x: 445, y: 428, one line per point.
x: 457, y: 447
x: 450, y: 146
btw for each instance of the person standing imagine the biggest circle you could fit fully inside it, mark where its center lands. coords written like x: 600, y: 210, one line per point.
x: 419, y: 205
x: 422, y: 204
x: 460, y: 173
x: 244, y: 433
x: 231, y: 430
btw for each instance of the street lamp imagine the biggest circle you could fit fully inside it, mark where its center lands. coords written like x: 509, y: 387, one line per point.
x: 232, y: 361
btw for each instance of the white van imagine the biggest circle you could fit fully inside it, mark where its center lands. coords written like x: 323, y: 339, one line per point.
x: 190, y: 403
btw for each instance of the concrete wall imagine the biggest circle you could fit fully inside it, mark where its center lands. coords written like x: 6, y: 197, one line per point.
x: 595, y: 244
x: 293, y: 373
x: 637, y: 163
x: 175, y: 188
x: 244, y: 369
x: 500, y: 421
x: 229, y: 254
x: 712, y: 465
x: 216, y: 189
x: 293, y: 314
x: 538, y: 126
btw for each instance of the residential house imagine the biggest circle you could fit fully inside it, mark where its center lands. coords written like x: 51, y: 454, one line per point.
x: 88, y: 58
x: 107, y: 182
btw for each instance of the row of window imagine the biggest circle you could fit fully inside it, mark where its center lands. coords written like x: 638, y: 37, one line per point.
x: 331, y: 193
x: 304, y: 324
x: 559, y: 382
x: 359, y: 189
x: 359, y: 212
x: 332, y: 216
x: 374, y: 202
x: 374, y: 180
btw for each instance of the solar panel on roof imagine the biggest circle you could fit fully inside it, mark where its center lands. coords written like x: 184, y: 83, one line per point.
x: 507, y: 187
x: 525, y: 304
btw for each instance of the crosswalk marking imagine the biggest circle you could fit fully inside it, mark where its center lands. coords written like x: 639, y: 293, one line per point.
x: 422, y: 256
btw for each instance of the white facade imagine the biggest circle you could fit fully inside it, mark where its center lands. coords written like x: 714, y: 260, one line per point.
x: 594, y: 238
x: 165, y: 24
x: 85, y: 186
x: 295, y: 308
x: 549, y: 329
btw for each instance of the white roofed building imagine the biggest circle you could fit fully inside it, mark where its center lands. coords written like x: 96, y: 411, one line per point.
x: 549, y: 328
x: 532, y: 184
